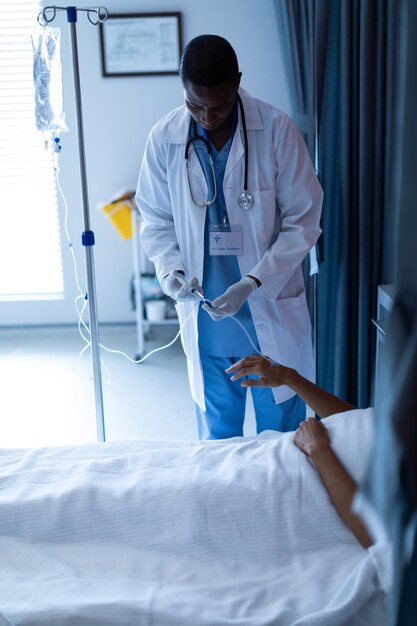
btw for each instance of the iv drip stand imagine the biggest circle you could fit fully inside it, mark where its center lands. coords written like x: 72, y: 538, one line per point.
x: 87, y: 237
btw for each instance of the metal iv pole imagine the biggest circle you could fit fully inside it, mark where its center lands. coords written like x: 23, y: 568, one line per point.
x: 87, y: 238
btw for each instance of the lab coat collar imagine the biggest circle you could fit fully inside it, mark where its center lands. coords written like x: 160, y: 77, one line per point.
x: 253, y: 119
x: 179, y: 125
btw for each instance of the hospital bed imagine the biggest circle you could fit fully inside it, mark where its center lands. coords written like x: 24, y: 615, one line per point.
x: 236, y: 531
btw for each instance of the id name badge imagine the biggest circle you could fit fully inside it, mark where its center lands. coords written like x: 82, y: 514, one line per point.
x: 224, y: 241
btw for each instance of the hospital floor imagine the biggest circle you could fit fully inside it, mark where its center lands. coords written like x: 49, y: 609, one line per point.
x: 47, y: 391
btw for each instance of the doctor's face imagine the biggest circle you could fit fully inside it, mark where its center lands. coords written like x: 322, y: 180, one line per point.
x: 211, y: 107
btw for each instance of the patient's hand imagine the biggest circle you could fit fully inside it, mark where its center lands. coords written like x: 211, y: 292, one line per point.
x: 312, y: 437
x: 270, y: 375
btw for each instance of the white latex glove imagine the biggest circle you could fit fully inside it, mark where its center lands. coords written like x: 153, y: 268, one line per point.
x: 177, y: 288
x: 231, y: 301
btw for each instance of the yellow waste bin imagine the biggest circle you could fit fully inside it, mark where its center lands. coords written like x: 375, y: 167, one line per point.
x: 118, y: 210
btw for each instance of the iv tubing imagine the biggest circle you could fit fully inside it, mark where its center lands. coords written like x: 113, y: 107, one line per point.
x: 82, y: 325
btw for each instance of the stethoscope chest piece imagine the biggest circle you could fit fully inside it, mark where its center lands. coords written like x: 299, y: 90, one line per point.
x: 245, y: 200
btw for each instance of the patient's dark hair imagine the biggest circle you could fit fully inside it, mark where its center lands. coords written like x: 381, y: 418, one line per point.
x: 208, y: 60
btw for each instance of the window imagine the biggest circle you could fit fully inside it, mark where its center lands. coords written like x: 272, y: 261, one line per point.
x: 30, y: 245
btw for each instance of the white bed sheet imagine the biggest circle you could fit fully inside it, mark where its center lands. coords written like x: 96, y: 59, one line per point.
x: 236, y: 532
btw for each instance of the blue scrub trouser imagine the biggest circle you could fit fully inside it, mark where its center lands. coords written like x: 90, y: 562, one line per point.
x: 226, y: 401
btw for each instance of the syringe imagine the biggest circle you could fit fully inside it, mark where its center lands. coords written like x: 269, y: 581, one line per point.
x: 197, y: 295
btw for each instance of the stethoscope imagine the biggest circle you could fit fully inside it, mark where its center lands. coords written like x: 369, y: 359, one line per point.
x: 245, y: 199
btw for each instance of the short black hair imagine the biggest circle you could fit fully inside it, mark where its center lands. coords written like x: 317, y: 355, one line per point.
x: 208, y: 60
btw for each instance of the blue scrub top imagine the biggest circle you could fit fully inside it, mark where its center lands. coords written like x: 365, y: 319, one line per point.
x: 224, y: 337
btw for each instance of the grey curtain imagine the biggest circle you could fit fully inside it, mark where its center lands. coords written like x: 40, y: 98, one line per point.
x: 392, y: 479
x: 296, y: 25
x: 356, y: 77
x: 341, y: 59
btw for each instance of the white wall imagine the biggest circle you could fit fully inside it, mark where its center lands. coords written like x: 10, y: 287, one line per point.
x: 118, y: 114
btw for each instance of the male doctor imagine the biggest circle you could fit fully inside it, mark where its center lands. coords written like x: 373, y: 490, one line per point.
x: 231, y: 205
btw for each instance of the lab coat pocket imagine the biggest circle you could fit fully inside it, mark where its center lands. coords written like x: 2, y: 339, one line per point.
x: 264, y: 214
x: 295, y: 319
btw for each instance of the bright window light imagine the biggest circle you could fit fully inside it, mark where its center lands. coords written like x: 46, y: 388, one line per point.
x: 30, y: 244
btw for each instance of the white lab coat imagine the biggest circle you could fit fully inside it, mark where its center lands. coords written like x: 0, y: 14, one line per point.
x: 278, y: 231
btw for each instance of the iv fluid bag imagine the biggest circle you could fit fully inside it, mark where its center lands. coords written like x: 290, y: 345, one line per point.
x: 47, y: 77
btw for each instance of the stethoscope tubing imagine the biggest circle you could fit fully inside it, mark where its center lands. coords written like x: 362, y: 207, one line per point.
x: 209, y: 152
x: 245, y: 143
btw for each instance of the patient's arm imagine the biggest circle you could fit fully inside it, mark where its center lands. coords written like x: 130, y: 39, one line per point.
x: 313, y: 439
x: 320, y: 401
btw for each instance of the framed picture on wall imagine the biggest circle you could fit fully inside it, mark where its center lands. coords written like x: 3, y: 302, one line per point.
x: 138, y: 44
